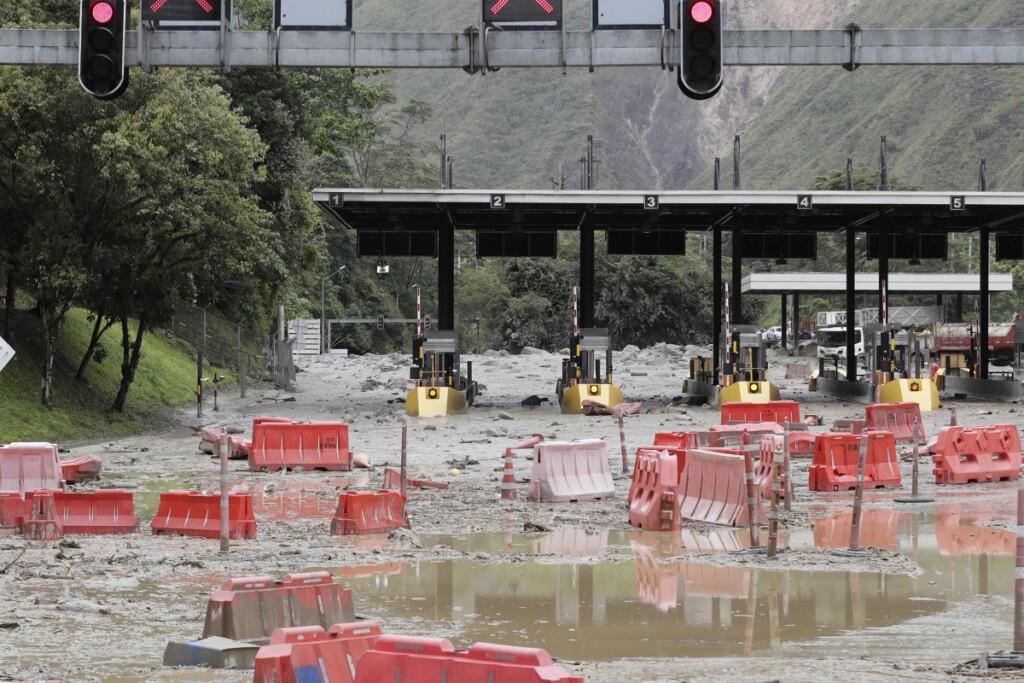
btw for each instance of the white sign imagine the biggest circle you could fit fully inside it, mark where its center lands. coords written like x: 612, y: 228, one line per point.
x: 310, y: 15
x: 626, y: 14
x: 6, y: 353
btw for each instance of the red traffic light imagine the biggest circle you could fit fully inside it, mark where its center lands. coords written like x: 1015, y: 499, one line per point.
x: 101, y: 11
x: 702, y: 11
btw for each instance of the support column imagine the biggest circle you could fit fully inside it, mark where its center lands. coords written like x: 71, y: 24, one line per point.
x: 851, y: 303
x: 587, y: 293
x: 735, y: 295
x: 958, y: 308
x: 785, y: 321
x: 716, y: 303
x: 446, y: 277
x: 796, y: 314
x: 883, y: 268
x: 983, y: 304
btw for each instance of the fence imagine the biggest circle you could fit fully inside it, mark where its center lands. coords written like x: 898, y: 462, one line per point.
x: 259, y: 358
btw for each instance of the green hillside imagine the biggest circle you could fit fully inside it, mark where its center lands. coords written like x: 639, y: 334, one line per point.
x: 939, y: 121
x: 513, y: 128
x: 166, y: 376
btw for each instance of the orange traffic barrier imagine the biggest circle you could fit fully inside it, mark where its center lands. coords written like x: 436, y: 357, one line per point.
x: 836, y: 457
x: 652, y: 494
x: 898, y: 418
x: 14, y: 507
x: 569, y: 472
x: 110, y: 511
x: 190, y: 513
x: 240, y: 447
x: 771, y: 448
x: 42, y: 523
x: 976, y: 454
x: 877, y: 529
x: 309, y: 654
x: 677, y: 452
x: 253, y: 607
x: 780, y: 412
x: 713, y: 488
x: 82, y: 468
x: 959, y: 535
x: 28, y: 467
x: 431, y: 660
x: 367, y: 512
x: 678, y: 440
x: 277, y: 444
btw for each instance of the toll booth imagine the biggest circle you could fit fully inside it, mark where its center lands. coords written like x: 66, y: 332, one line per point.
x: 896, y: 365
x: 583, y: 375
x: 745, y: 368
x: 441, y: 388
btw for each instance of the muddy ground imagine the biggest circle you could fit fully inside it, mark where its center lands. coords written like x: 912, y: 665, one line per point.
x: 614, y: 604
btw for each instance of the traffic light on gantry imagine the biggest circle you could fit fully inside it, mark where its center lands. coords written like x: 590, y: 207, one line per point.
x: 101, y: 67
x: 700, y: 49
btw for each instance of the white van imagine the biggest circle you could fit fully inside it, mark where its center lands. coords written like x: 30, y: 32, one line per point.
x: 832, y: 342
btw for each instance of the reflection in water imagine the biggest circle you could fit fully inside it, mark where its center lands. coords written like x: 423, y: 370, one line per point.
x: 665, y: 604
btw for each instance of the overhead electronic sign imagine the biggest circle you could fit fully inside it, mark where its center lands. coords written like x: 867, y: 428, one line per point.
x: 523, y: 14
x: 385, y: 243
x: 776, y: 245
x: 313, y: 15
x: 627, y: 14
x: 192, y: 14
x: 522, y: 243
x: 921, y: 245
x: 635, y: 242
x: 1009, y: 246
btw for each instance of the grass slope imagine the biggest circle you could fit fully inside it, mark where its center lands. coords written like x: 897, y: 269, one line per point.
x: 165, y: 377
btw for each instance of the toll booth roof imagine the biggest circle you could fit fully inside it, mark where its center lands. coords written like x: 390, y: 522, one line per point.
x: 794, y: 211
x: 898, y: 283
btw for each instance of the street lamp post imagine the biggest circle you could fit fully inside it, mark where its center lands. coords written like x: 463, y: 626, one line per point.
x: 324, y: 342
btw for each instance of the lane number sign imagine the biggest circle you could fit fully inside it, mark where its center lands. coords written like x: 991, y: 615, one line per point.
x: 651, y: 202
x: 497, y: 201
x: 804, y: 202
x: 957, y: 203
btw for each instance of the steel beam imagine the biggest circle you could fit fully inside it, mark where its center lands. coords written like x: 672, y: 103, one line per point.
x: 527, y: 49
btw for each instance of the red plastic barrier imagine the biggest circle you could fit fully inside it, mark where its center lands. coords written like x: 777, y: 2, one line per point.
x: 836, y: 458
x: 975, y: 454
x: 678, y: 440
x: 310, y: 445
x: 713, y: 488
x: 432, y: 660
x: 679, y: 453
x: 780, y: 412
x: 652, y: 494
x: 309, y: 654
x: 771, y: 450
x: 28, y: 467
x: 801, y: 444
x: 366, y: 512
x: 42, y: 523
x: 190, y: 513
x: 13, y: 509
x: 254, y: 607
x: 239, y: 449
x: 82, y: 468
x: 898, y: 418
x: 110, y: 511
x: 570, y: 472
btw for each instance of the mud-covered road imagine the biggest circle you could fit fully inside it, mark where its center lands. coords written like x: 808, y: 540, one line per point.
x: 614, y: 604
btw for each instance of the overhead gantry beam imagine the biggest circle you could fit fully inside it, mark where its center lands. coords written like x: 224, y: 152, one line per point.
x: 474, y: 50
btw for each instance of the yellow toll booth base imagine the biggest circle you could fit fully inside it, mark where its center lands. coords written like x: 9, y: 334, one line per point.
x: 749, y: 392
x: 573, y: 397
x: 435, y: 402
x: 920, y: 391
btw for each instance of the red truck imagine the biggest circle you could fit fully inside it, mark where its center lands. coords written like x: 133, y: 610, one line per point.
x: 956, y: 338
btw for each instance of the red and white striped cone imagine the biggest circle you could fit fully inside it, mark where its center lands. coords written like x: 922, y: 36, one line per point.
x: 508, y: 479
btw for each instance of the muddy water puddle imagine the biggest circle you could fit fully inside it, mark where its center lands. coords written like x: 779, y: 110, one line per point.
x: 660, y: 600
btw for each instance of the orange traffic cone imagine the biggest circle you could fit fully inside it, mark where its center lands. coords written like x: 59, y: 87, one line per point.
x: 508, y: 479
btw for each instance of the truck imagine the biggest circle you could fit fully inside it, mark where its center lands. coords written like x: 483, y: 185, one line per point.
x: 832, y: 342
x: 956, y: 338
